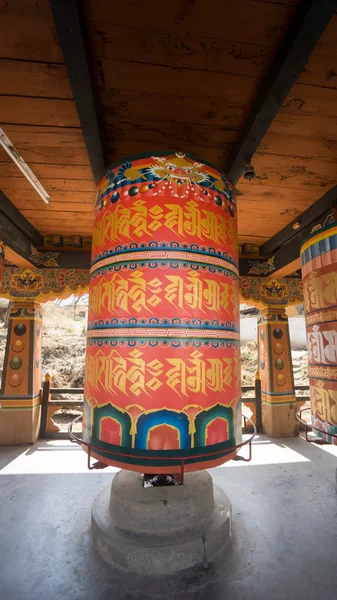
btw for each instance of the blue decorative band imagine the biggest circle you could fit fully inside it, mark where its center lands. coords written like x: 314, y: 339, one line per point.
x: 321, y: 247
x: 162, y: 323
x: 172, y: 246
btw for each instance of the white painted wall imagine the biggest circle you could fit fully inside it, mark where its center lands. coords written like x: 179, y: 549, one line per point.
x: 296, y: 327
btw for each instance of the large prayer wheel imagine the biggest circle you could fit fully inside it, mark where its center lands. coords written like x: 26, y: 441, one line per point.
x: 163, y: 359
x: 319, y: 272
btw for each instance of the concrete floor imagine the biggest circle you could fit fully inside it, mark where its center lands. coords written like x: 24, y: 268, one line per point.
x: 284, y: 528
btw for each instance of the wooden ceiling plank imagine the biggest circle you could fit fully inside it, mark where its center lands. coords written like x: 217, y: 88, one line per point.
x: 51, y: 171
x: 36, y: 111
x: 62, y: 200
x: 311, y: 100
x: 55, y: 215
x: 178, y: 50
x: 308, y: 24
x: 28, y: 33
x: 53, y: 185
x: 311, y: 214
x: 40, y: 154
x: 318, y: 148
x: 32, y: 135
x: 31, y: 209
x: 124, y: 75
x: 34, y: 79
x: 245, y: 21
x: 55, y: 227
x: 171, y: 131
x: 121, y: 103
x: 69, y: 23
x: 294, y: 172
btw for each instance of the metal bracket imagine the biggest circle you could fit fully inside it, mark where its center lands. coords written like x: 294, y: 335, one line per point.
x: 180, y: 476
x: 308, y: 428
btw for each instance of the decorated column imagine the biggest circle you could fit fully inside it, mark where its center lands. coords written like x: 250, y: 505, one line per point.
x: 2, y: 261
x: 163, y: 358
x: 21, y: 378
x: 319, y: 273
x: 276, y: 372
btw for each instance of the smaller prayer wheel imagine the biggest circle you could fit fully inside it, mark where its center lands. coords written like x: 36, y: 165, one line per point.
x: 319, y: 273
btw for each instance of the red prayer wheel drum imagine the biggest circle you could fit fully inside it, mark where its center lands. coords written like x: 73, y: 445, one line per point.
x: 162, y: 380
x: 319, y: 273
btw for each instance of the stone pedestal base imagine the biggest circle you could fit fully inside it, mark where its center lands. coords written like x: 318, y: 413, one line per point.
x: 163, y: 530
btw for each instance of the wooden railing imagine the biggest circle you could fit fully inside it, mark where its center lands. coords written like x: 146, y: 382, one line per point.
x: 253, y: 402
x: 47, y: 402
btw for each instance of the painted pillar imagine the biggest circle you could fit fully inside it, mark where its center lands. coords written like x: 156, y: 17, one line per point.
x: 319, y: 273
x: 21, y: 378
x: 163, y: 357
x: 276, y: 372
x: 2, y: 260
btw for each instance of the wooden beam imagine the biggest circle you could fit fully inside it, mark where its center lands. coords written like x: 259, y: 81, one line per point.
x: 307, y: 217
x: 70, y: 26
x: 18, y: 243
x: 73, y: 260
x: 15, y: 259
x: 8, y: 210
x: 14, y: 238
x: 309, y: 23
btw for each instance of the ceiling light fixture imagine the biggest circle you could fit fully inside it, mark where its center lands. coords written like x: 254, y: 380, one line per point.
x: 17, y: 158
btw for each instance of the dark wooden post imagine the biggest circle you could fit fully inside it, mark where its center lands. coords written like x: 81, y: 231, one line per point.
x: 44, y: 405
x: 258, y: 402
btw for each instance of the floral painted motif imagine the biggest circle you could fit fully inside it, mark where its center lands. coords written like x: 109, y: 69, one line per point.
x: 43, y: 259
x: 265, y: 291
x: 26, y: 280
x: 181, y: 174
x: 43, y: 284
x: 261, y: 268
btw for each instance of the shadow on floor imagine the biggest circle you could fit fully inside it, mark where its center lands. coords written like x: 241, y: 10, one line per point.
x: 283, y: 546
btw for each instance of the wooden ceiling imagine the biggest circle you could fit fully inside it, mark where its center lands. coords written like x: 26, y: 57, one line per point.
x: 183, y: 76
x: 38, y: 114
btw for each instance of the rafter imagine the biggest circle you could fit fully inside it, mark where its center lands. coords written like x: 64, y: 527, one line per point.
x: 309, y: 22
x: 20, y: 236
x: 70, y: 26
x: 8, y: 210
x: 14, y: 238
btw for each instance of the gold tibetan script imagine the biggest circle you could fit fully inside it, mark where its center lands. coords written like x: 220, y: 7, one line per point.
x: 322, y: 346
x: 321, y: 291
x: 135, y: 294
x: 132, y: 375
x: 325, y: 403
x: 135, y: 221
